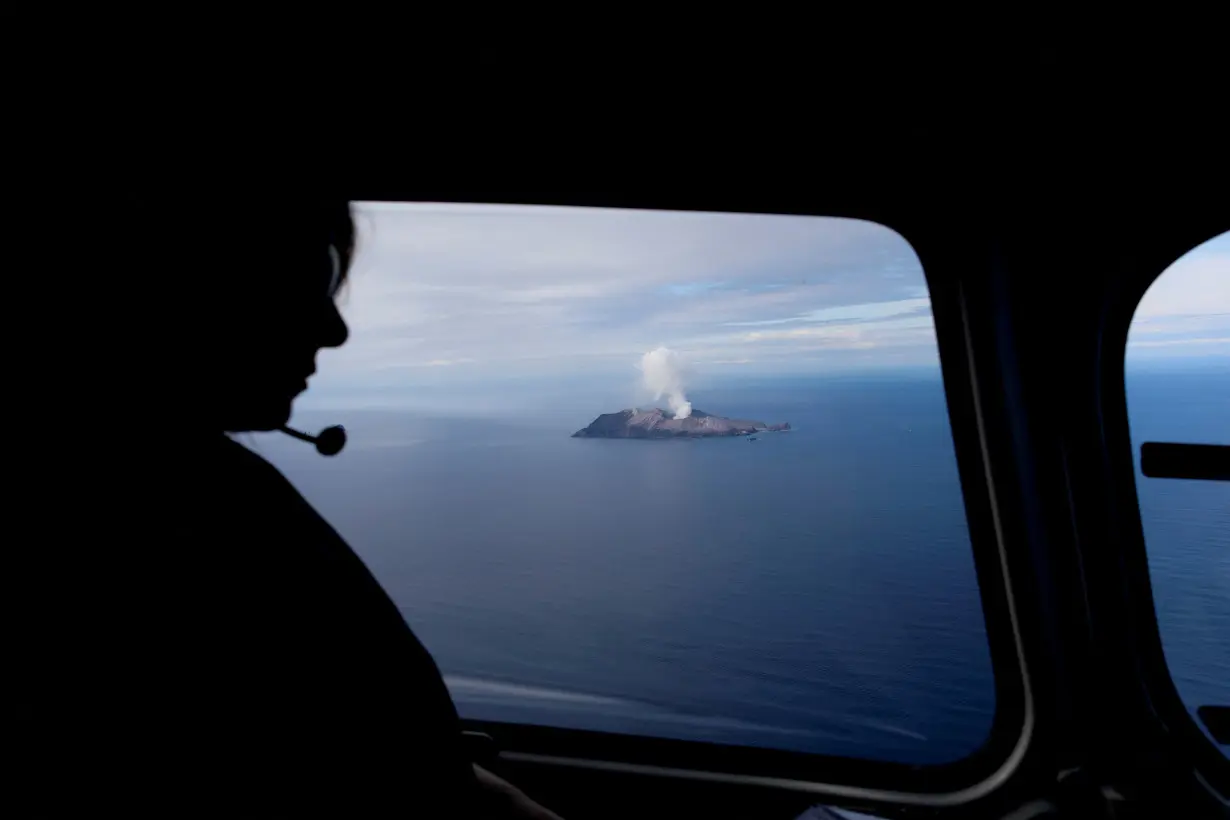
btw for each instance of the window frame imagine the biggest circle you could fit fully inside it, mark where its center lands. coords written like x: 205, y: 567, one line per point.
x: 969, y: 342
x: 1183, y: 737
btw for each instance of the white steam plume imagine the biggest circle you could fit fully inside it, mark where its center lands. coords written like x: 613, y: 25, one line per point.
x: 663, y: 375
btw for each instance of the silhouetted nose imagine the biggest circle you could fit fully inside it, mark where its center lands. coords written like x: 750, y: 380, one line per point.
x: 336, y: 332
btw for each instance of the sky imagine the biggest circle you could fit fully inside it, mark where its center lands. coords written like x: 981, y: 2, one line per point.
x: 458, y: 298
x: 1185, y: 314
x: 444, y: 296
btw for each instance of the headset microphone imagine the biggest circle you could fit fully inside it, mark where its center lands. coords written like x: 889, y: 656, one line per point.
x: 329, y: 441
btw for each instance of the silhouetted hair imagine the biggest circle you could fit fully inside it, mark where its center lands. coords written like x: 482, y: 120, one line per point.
x: 337, y: 227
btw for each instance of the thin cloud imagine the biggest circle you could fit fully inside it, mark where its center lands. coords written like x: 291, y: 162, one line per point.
x: 868, y: 311
x: 506, y: 290
x: 1221, y: 340
x: 1187, y: 309
x: 446, y: 362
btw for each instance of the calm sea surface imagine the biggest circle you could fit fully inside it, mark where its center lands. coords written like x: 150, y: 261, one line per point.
x: 811, y: 590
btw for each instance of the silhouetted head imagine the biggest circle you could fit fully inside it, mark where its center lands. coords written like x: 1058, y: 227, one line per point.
x: 258, y: 305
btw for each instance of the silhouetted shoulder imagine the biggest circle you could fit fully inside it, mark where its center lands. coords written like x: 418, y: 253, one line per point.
x: 259, y: 653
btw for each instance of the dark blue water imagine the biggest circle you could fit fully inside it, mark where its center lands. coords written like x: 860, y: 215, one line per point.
x: 1187, y: 527
x: 812, y: 590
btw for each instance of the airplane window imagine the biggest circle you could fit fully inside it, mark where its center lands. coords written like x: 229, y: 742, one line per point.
x: 1178, y: 389
x: 683, y: 475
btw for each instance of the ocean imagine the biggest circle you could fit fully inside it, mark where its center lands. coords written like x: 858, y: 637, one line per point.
x: 811, y: 590
x: 1187, y: 527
